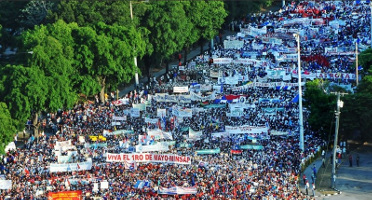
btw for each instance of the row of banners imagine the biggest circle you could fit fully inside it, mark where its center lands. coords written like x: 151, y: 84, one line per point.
x: 149, y: 158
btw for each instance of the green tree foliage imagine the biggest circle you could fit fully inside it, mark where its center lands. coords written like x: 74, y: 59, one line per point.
x: 7, y: 128
x: 89, y: 13
x: 365, y: 60
x: 239, y: 9
x: 321, y: 106
x: 356, y: 115
x: 169, y: 27
x: 52, y: 47
x: 26, y: 91
x: 106, y: 53
x: 36, y: 12
x: 208, y: 16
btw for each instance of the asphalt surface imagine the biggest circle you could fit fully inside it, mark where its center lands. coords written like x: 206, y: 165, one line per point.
x: 354, y: 182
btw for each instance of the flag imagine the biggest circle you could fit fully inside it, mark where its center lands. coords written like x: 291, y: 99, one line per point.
x: 27, y: 172
x: 78, y: 166
x: 295, y: 99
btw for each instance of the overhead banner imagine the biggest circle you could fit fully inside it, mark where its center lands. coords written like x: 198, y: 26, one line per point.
x: 182, y: 112
x: 54, y: 167
x: 208, y: 151
x: 117, y: 132
x: 177, y: 190
x: 66, y: 195
x: 222, y: 60
x: 151, y: 121
x: 140, y: 106
x: 149, y: 157
x: 246, y: 129
x: 194, y: 135
x: 230, y: 80
x: 196, y: 97
x: 155, y: 147
x: 183, y: 89
x: 135, y: 112
x: 117, y: 118
x: 5, y: 184
x: 274, y: 132
x: 161, y: 112
x: 233, y: 44
x: 158, y: 134
x: 64, y: 146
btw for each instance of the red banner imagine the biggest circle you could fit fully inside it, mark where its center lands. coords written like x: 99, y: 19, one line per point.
x: 67, y: 195
x: 236, y: 151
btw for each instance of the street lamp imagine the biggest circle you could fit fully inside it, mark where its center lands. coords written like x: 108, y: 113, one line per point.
x: 135, y: 57
x: 297, y: 37
x: 370, y: 5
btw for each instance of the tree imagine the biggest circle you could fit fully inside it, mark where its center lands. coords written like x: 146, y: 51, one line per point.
x: 35, y: 13
x: 365, y: 60
x: 169, y: 27
x: 26, y: 91
x: 90, y: 13
x: 53, y: 53
x: 7, y: 128
x: 206, y: 19
x: 356, y: 116
x: 106, y: 53
x: 321, y: 106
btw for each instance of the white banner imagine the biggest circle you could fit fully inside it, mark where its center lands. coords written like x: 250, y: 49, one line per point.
x: 183, y: 89
x: 54, y: 167
x: 151, y: 121
x: 159, y: 134
x: 5, y: 184
x: 148, y: 148
x: 194, y: 135
x: 135, y: 112
x: 230, y: 80
x: 149, y: 157
x: 274, y: 132
x: 64, y: 146
x: 117, y: 118
x: 233, y: 44
x: 246, y: 129
x: 196, y: 97
x: 140, y: 106
x: 222, y: 61
x: 220, y: 134
x: 161, y: 112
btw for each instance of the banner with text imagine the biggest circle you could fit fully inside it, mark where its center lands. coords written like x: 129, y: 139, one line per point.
x: 149, y: 157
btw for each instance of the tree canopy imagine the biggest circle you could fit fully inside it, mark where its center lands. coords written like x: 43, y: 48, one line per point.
x: 7, y: 127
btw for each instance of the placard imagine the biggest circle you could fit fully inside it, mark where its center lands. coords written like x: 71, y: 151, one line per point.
x: 149, y: 157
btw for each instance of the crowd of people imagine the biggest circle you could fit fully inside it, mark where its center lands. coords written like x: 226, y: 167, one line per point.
x: 238, y: 121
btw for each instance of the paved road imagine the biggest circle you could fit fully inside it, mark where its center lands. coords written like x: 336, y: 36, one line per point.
x: 355, y: 183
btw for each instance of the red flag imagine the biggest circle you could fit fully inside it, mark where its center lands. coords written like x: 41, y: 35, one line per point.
x: 235, y: 192
x: 78, y: 166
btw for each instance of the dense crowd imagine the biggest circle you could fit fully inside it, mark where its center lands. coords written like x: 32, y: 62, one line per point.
x: 268, y: 169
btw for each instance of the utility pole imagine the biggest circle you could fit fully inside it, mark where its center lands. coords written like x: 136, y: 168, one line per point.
x: 356, y: 63
x: 340, y: 104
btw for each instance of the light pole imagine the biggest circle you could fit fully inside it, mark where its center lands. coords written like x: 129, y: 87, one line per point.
x: 135, y: 57
x: 370, y: 5
x: 356, y: 63
x: 301, y: 123
x: 340, y: 104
